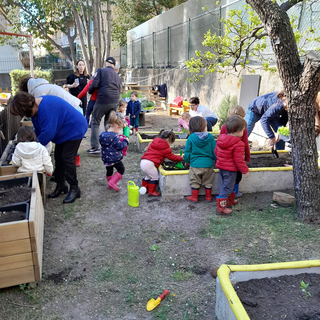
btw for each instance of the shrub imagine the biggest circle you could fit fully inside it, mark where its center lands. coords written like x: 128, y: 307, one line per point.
x: 224, y: 107
x: 17, y: 75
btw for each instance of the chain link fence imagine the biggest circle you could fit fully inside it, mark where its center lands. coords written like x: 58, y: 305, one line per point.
x: 172, y: 46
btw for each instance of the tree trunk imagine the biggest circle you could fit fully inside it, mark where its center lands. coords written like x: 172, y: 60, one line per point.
x: 301, y: 84
x: 83, y: 46
x: 96, y: 34
x: 108, y: 28
x: 71, y: 41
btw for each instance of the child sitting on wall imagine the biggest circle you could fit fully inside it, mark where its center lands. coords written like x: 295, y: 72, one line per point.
x: 30, y: 155
x: 183, y: 121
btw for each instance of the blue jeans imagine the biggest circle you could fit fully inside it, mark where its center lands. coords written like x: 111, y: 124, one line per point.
x: 89, y: 110
x: 252, y: 118
x: 211, y: 122
x: 228, y: 183
x: 134, y: 122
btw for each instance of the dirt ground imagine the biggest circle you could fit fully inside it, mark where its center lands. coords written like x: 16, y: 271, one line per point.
x: 104, y: 260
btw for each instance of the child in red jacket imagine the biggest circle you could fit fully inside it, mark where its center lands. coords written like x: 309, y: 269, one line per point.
x: 91, y: 102
x: 229, y: 152
x: 239, y: 111
x: 158, y: 150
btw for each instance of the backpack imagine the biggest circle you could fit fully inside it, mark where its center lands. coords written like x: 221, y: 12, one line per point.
x: 177, y: 102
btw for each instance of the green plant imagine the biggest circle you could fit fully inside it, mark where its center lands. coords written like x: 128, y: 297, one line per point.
x: 304, y: 286
x: 17, y: 75
x: 128, y: 93
x: 23, y: 287
x: 154, y: 247
x: 182, y: 275
x: 224, y: 107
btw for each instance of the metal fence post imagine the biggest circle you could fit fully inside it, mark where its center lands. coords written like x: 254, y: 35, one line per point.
x: 132, y: 54
x: 220, y: 31
x: 153, y: 39
x: 168, y: 47
x: 141, y: 53
x: 188, y: 54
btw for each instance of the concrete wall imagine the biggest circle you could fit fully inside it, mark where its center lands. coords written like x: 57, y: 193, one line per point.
x: 5, y: 81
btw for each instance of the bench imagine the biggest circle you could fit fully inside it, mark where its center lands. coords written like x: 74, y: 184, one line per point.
x: 176, y: 110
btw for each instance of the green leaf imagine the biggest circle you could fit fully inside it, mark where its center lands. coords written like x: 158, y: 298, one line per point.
x: 154, y: 247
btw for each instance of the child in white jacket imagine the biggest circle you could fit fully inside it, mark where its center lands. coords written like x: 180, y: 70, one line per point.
x: 30, y: 155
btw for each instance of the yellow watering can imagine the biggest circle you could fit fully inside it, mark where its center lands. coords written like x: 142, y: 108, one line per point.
x: 133, y: 194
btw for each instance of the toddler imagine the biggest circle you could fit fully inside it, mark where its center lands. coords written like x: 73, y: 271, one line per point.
x: 199, y: 152
x: 112, y: 150
x: 158, y: 150
x: 30, y: 155
x: 134, y: 109
x: 229, y: 151
x: 121, y: 113
x: 183, y: 121
x: 239, y: 111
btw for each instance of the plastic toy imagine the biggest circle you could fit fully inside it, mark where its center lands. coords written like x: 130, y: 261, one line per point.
x: 154, y: 303
x: 133, y: 194
x: 180, y: 165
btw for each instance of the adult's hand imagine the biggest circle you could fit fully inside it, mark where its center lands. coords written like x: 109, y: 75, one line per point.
x: 75, y: 85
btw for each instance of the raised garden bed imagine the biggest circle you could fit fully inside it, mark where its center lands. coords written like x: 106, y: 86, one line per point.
x: 176, y: 182
x: 21, y: 241
x: 7, y: 154
x: 144, y: 138
x: 244, y: 292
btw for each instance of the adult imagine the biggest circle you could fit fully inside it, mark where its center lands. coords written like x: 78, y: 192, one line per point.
x: 77, y: 81
x: 196, y: 109
x: 41, y: 87
x: 55, y: 120
x: 271, y: 110
x: 108, y: 84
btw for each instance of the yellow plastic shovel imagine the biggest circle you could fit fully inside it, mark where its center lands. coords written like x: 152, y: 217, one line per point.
x: 154, y: 303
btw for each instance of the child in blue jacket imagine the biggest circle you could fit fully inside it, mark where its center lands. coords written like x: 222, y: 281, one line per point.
x: 199, y: 152
x: 134, y: 109
x: 112, y: 150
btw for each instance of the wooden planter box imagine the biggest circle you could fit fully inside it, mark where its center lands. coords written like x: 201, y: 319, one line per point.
x: 21, y: 242
x: 5, y: 154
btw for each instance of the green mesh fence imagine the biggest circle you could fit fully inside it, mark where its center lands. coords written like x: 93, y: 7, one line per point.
x: 172, y: 46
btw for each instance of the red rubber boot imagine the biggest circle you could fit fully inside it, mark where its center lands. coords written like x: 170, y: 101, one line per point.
x: 78, y: 161
x: 194, y: 195
x: 109, y: 178
x: 145, y: 183
x: 222, y: 206
x: 208, y: 194
x: 113, y: 181
x: 152, y: 189
x: 231, y: 200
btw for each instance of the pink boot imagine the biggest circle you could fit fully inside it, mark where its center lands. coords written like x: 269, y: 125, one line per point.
x: 113, y: 181
x: 109, y: 178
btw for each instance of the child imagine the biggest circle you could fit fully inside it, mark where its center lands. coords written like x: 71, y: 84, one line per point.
x: 121, y: 112
x: 183, y: 121
x: 229, y: 152
x: 134, y: 109
x: 199, y: 152
x: 92, y: 101
x: 30, y: 155
x: 111, y: 150
x: 158, y: 150
x: 239, y: 111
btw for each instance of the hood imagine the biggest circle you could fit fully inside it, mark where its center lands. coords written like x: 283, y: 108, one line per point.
x: 200, y: 139
x: 160, y: 144
x: 225, y: 141
x: 34, y: 83
x: 28, y: 150
x: 108, y: 139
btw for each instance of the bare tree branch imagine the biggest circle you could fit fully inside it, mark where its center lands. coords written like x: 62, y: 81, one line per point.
x: 289, y: 4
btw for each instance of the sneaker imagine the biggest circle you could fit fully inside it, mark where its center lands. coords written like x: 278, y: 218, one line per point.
x: 94, y: 150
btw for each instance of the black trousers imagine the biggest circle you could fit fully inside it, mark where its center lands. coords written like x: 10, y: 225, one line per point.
x: 84, y: 104
x: 64, y: 156
x: 119, y: 166
x: 239, y: 177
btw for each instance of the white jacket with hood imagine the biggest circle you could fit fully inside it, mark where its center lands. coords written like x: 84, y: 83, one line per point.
x: 41, y: 87
x: 32, y: 156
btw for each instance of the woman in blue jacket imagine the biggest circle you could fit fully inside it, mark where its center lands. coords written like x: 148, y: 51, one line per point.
x: 271, y: 110
x: 55, y: 120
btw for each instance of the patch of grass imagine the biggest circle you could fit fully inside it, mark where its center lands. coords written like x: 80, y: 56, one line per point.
x: 108, y: 274
x: 161, y: 312
x: 182, y: 275
x: 68, y: 210
x: 231, y: 262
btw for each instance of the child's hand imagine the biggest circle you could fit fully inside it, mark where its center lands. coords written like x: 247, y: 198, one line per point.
x: 133, y: 116
x: 48, y: 174
x: 246, y: 175
x: 125, y: 124
x: 127, y: 117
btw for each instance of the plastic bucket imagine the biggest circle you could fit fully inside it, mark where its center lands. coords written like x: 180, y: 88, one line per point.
x: 126, y: 131
x: 133, y: 194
